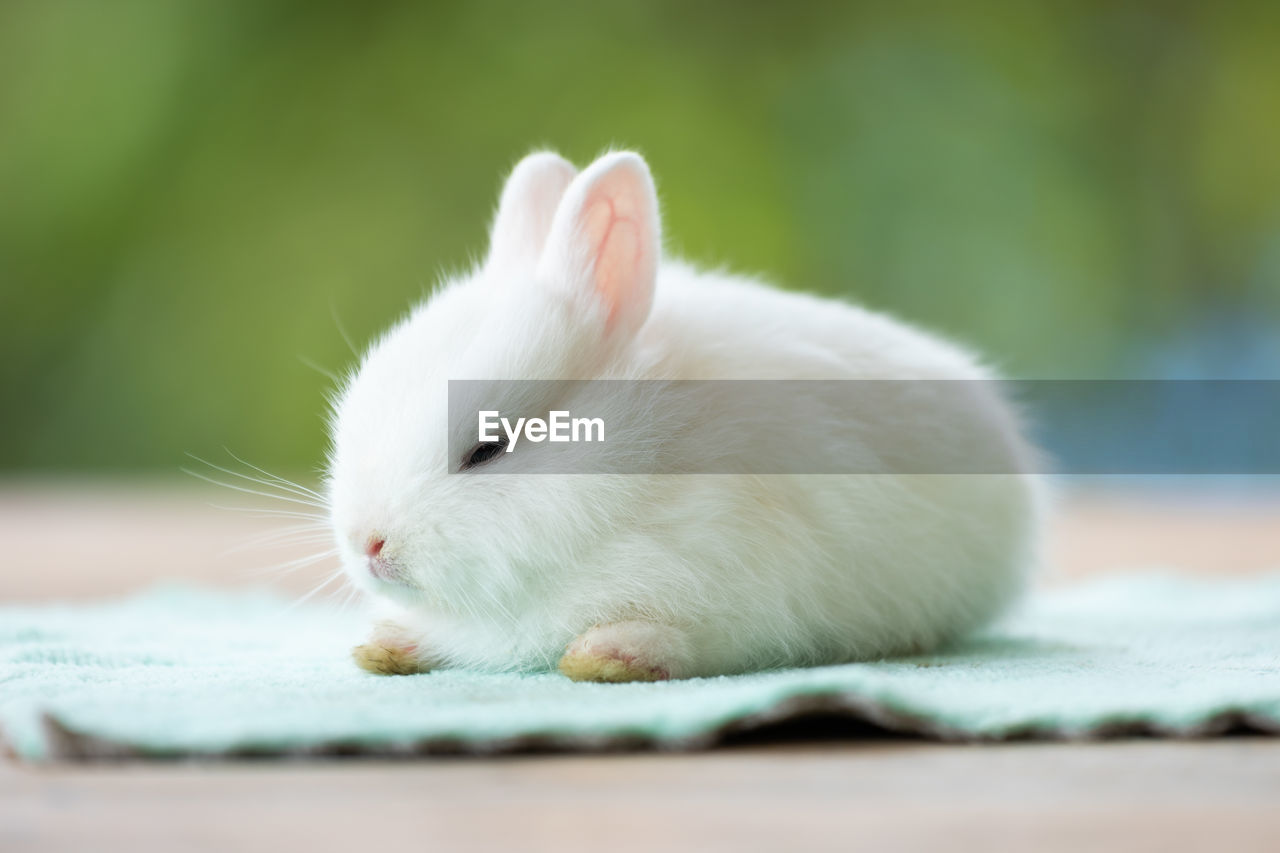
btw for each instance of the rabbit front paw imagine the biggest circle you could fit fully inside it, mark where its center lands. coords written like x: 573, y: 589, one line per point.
x: 392, y: 650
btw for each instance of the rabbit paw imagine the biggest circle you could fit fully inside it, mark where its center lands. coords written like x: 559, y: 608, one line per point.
x: 392, y: 650
x: 627, y: 651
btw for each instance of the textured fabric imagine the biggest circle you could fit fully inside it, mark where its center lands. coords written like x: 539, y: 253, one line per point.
x: 179, y: 671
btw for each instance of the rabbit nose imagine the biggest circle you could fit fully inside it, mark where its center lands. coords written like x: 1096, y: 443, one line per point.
x: 378, y: 565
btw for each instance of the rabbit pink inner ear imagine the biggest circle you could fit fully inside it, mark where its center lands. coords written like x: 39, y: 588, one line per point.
x: 527, y: 209
x: 614, y: 229
x: 620, y: 260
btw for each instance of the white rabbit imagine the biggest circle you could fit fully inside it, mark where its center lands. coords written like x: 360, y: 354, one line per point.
x: 621, y: 577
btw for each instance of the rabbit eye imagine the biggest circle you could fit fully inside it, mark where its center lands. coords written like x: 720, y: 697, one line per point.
x: 482, y: 453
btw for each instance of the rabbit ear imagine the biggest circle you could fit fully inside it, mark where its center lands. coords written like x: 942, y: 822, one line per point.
x: 605, y: 240
x: 528, y: 204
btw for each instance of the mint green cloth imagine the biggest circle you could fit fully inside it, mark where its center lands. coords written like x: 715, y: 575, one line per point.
x: 185, y: 671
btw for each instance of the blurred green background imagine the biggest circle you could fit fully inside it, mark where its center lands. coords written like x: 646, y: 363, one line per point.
x: 194, y: 196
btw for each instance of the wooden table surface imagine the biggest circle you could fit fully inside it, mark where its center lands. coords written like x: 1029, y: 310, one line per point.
x: 86, y: 540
